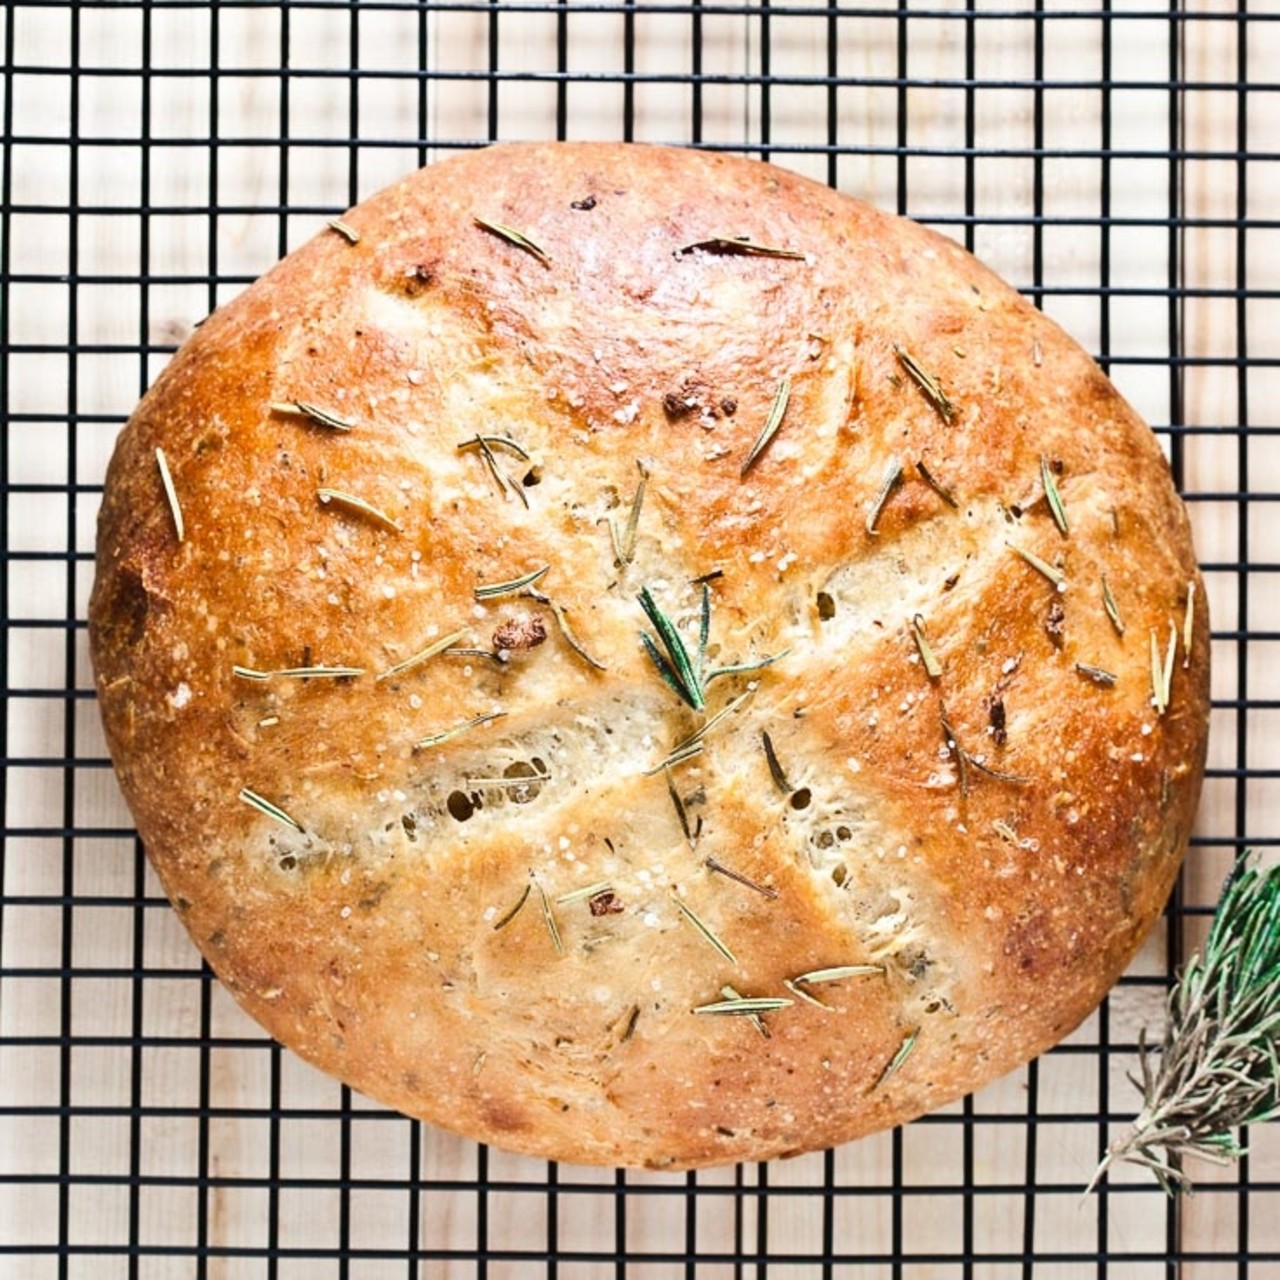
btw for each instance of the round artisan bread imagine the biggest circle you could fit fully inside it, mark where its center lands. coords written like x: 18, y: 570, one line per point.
x: 743, y: 596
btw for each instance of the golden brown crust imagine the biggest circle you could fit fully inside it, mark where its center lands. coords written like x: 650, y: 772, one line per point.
x: 996, y: 839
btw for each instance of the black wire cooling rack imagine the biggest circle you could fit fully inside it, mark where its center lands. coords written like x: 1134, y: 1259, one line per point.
x: 1117, y: 161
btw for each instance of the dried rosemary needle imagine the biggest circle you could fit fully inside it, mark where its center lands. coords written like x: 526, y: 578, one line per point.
x: 354, y: 505
x: 321, y: 416
x: 927, y: 383
x: 738, y: 245
x: 170, y: 493
x: 345, y: 230
x: 512, y: 236
x: 777, y: 411
x: 263, y: 805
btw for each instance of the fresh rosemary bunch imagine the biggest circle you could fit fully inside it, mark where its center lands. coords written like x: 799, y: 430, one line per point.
x: 684, y: 672
x: 1219, y: 1066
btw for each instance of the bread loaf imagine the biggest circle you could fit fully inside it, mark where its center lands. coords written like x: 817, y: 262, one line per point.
x: 638, y: 658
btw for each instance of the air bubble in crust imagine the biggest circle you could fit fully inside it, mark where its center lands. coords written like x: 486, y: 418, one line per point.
x: 459, y: 806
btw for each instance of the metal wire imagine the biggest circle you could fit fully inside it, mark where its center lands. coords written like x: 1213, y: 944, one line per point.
x: 112, y: 1040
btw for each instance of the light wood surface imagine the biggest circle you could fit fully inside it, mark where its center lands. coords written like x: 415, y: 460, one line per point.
x: 105, y: 937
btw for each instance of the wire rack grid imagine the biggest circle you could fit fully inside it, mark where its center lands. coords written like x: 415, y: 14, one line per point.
x: 1116, y: 159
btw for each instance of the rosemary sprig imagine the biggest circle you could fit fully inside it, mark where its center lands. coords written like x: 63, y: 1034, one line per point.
x: 624, y: 544
x: 932, y: 667
x: 314, y: 413
x: 493, y: 590
x: 512, y: 236
x: 166, y: 479
x: 777, y: 412
x: 684, y: 672
x: 347, y: 232
x: 673, y: 660
x: 1052, y: 572
x: 435, y: 647
x: 1113, y: 610
x: 435, y: 739
x: 730, y: 874
x: 892, y: 479
x: 298, y: 673
x: 1053, y: 497
x: 927, y: 383
x: 263, y: 805
x: 705, y: 931
x: 937, y: 486
x: 1219, y: 1065
x: 738, y: 245
x: 349, y: 502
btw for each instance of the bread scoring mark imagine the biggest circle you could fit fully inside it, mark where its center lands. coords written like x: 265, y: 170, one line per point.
x: 858, y: 871
x: 901, y: 578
